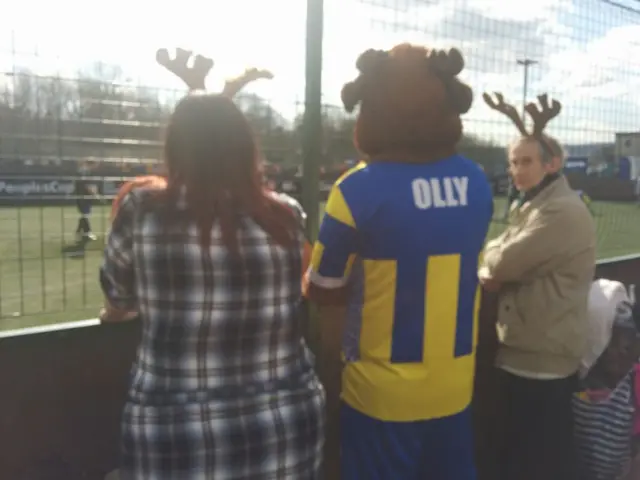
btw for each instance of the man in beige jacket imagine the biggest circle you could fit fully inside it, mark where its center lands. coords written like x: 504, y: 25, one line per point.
x: 542, y: 267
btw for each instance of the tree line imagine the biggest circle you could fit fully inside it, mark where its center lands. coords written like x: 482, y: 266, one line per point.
x: 100, y: 113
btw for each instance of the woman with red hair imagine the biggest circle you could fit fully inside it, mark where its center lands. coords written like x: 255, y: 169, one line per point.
x: 145, y: 181
x: 223, y: 386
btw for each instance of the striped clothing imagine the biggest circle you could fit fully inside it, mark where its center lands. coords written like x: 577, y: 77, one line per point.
x: 604, y: 430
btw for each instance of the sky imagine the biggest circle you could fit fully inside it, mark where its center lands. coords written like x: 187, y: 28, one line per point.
x: 587, y: 51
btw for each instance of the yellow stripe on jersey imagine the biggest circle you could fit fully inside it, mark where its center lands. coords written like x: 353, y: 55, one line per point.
x: 337, y: 208
x: 362, y: 164
x: 441, y: 306
x: 438, y: 386
x: 378, y: 308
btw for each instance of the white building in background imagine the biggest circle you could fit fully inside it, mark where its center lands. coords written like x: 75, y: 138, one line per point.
x: 628, y: 154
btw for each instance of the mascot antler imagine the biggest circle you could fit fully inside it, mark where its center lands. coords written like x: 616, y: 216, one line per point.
x: 194, y: 77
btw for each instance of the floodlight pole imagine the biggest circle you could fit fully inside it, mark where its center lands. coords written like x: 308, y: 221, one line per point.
x: 526, y: 63
x: 512, y: 193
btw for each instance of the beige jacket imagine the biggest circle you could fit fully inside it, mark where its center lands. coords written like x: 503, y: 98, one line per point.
x: 545, y: 261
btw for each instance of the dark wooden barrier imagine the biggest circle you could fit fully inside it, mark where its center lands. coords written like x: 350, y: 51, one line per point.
x: 61, y: 395
x: 62, y: 390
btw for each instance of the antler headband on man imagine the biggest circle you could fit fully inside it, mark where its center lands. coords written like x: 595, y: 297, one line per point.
x: 194, y: 77
x: 540, y: 116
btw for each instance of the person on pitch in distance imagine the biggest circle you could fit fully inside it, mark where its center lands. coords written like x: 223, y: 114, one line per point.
x: 399, y: 246
x: 541, y: 267
x: 86, y: 193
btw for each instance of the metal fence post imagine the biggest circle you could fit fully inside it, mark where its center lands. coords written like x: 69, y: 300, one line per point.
x: 312, y: 118
x: 312, y: 149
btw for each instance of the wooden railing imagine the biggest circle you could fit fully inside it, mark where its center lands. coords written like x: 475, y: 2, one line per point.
x: 62, y: 390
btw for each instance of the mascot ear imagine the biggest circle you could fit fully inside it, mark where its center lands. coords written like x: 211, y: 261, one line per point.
x: 455, y: 62
x: 351, y: 95
x: 449, y: 63
x: 370, y: 60
x: 460, y: 96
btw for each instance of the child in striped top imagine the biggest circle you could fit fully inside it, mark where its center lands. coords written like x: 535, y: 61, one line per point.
x: 607, y: 409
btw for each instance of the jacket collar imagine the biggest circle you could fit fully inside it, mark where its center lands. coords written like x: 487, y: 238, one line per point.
x: 556, y: 186
x: 535, y: 191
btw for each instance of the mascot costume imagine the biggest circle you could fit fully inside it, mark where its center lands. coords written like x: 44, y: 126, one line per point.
x: 398, y: 248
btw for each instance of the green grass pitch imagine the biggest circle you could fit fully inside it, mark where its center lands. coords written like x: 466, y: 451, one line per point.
x: 39, y: 285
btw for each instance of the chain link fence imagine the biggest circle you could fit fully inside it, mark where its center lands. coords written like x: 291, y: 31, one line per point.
x: 84, y: 103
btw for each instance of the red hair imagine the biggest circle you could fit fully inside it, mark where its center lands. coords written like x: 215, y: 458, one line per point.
x: 151, y: 181
x: 210, y: 151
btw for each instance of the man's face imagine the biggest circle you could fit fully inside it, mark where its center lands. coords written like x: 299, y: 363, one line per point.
x: 526, y: 165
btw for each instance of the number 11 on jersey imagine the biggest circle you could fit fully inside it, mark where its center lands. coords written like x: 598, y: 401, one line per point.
x: 443, y: 326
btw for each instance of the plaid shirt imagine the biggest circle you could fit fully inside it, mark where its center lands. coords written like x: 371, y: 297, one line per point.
x: 219, y: 331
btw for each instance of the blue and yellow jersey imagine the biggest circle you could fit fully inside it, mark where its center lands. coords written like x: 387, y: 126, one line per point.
x: 407, y: 239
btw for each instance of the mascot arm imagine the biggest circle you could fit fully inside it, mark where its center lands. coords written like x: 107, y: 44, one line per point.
x: 333, y: 254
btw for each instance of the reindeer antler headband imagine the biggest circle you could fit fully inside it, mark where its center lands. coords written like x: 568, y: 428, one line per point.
x: 194, y: 77
x: 540, y: 116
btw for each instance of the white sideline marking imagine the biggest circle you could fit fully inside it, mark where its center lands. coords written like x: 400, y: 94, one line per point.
x: 621, y: 258
x: 95, y: 321
x: 49, y: 328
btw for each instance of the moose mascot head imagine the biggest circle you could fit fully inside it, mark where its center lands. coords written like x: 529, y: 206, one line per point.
x: 410, y: 102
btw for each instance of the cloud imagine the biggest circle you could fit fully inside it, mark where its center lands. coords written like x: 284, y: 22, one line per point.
x: 69, y: 35
x: 490, y: 32
x: 588, y: 52
x: 612, y: 60
x: 493, y: 35
x: 599, y: 82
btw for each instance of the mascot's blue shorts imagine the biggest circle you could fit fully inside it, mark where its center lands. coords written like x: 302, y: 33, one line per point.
x: 373, y: 449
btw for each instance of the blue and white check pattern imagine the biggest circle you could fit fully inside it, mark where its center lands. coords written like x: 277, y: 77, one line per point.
x: 223, y: 385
